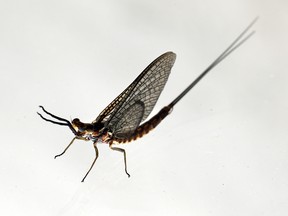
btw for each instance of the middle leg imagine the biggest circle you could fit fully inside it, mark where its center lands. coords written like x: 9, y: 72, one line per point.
x: 97, y: 154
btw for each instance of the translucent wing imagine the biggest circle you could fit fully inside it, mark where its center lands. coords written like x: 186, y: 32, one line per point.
x: 129, y: 121
x: 146, y: 88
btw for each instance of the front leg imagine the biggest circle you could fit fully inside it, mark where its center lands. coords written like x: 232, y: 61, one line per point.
x: 123, y: 151
x: 66, y: 148
x: 69, y: 146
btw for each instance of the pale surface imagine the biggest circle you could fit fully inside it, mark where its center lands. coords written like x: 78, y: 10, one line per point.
x: 224, y: 149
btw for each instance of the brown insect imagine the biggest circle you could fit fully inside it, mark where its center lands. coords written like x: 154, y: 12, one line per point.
x: 120, y: 121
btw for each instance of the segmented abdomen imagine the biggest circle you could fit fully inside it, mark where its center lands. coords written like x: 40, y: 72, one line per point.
x: 146, y: 127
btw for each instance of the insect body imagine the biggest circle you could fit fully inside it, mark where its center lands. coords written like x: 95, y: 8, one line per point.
x: 120, y: 121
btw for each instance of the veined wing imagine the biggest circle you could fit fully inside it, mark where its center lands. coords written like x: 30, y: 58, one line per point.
x: 129, y: 121
x: 145, y: 89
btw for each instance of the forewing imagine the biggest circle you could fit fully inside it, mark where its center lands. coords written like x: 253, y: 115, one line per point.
x: 114, y: 105
x: 146, y: 88
x: 129, y: 121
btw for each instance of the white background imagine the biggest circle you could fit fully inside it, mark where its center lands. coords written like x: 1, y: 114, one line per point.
x: 222, y: 151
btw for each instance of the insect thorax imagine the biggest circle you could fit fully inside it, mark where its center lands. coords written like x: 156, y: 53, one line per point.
x: 88, y: 131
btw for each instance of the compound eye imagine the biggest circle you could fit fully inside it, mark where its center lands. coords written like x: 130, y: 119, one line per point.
x: 75, y: 121
x: 77, y: 124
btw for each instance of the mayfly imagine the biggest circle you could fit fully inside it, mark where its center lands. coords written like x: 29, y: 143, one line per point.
x: 120, y: 121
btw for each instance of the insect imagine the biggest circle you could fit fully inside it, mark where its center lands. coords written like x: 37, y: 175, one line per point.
x: 120, y: 122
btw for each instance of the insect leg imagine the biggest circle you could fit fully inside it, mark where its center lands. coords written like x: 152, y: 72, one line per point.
x: 97, y: 154
x: 123, y: 151
x: 66, y: 148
